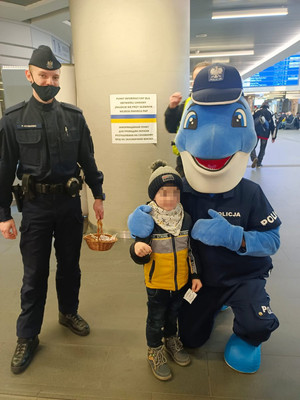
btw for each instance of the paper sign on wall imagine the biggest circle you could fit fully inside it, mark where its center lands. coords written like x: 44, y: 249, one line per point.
x: 133, y: 118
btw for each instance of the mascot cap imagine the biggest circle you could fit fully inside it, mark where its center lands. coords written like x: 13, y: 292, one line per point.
x: 162, y: 175
x: 44, y: 58
x: 217, y: 84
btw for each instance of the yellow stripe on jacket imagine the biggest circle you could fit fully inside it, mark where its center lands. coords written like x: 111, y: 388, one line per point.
x: 168, y: 267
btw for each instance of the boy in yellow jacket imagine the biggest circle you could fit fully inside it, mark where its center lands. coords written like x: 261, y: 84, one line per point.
x: 168, y: 265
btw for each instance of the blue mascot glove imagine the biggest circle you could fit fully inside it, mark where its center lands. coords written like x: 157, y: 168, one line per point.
x: 140, y: 223
x: 218, y: 232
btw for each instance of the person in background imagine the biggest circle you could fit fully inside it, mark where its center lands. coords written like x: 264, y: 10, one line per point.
x: 289, y: 117
x: 264, y: 127
x: 168, y: 262
x: 297, y: 122
x: 280, y: 118
x: 174, y: 112
x: 46, y: 143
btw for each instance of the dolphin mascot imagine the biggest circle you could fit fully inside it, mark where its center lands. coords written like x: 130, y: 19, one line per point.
x: 235, y: 228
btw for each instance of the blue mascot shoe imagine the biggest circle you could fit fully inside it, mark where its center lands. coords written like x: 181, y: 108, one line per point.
x: 242, y: 356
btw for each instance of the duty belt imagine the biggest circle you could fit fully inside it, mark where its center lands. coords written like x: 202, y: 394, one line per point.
x: 48, y: 188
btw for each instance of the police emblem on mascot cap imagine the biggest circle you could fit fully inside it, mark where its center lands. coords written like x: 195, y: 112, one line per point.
x: 217, y: 84
x: 216, y: 74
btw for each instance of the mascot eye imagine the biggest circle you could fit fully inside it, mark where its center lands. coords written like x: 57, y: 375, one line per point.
x: 191, y: 120
x: 239, y: 119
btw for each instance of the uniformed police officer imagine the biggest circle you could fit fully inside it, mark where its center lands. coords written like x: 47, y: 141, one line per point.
x: 45, y: 143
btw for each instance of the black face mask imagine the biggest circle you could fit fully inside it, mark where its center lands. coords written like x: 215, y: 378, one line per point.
x: 45, y: 93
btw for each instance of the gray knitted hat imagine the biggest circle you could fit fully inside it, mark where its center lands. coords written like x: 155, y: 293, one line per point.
x: 162, y: 175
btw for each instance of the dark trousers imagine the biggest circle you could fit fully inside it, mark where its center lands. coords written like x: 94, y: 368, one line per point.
x: 253, y: 319
x: 163, y: 307
x: 262, y: 150
x: 48, y: 217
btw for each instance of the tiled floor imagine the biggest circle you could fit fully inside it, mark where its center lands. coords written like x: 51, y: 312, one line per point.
x: 110, y: 363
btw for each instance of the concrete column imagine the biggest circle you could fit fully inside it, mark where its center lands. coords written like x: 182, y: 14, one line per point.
x: 128, y: 47
x: 294, y: 106
x: 250, y: 100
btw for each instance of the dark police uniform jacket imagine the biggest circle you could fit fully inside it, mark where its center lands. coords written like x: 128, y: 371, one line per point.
x: 48, y: 141
x: 246, y: 206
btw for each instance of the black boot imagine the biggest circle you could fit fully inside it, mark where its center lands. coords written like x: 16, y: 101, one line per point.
x: 23, y: 354
x: 74, y: 322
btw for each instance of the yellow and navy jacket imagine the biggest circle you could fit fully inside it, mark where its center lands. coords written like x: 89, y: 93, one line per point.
x: 171, y: 262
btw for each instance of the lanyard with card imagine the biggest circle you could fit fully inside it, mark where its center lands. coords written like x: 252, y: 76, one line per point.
x: 190, y: 296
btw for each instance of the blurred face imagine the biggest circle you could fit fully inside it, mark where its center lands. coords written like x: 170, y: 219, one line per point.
x: 167, y: 197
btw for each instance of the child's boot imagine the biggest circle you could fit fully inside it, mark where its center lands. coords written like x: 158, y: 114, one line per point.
x: 158, y: 363
x: 175, y: 348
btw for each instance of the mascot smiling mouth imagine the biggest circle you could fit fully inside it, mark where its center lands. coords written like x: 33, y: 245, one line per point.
x: 214, y: 175
x: 212, y: 165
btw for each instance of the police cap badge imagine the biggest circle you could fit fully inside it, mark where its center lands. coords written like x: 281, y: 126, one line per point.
x: 43, y: 57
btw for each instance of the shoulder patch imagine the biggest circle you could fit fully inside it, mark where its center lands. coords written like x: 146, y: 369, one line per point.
x: 14, y: 108
x: 71, y: 107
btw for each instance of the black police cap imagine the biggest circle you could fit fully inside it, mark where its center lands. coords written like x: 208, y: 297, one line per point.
x: 44, y: 58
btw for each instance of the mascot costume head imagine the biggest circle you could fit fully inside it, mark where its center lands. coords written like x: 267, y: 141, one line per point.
x: 216, y: 133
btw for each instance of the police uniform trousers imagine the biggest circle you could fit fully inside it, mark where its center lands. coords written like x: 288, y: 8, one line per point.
x: 49, y: 218
x: 253, y: 319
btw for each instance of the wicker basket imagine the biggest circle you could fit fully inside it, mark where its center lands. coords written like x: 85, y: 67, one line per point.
x: 95, y: 242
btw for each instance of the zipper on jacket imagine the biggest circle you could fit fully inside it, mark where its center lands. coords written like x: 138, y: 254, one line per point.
x: 175, y: 263
x: 151, y: 270
x: 189, y: 265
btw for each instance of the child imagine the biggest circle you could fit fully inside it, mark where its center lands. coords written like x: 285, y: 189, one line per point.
x: 167, y: 260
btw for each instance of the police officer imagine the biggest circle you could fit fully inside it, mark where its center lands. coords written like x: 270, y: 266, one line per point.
x: 45, y: 143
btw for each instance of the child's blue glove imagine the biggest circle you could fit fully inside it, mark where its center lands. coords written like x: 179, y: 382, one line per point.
x: 218, y: 232
x: 140, y: 223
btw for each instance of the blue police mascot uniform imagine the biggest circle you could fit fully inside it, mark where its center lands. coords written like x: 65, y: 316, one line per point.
x: 235, y: 227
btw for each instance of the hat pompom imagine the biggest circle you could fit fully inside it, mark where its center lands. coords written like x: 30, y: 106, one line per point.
x: 156, y: 164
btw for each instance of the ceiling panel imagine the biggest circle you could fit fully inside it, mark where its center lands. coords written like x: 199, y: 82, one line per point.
x: 23, y: 3
x: 263, y: 35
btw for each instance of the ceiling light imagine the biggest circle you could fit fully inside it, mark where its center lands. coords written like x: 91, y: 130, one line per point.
x: 272, y: 54
x: 262, y: 12
x: 223, y: 60
x: 13, y: 67
x: 223, y: 54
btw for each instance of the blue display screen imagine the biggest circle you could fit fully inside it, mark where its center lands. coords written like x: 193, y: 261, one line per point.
x: 283, y: 73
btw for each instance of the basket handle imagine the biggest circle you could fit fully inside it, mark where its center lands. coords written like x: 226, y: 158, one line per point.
x: 99, y: 228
